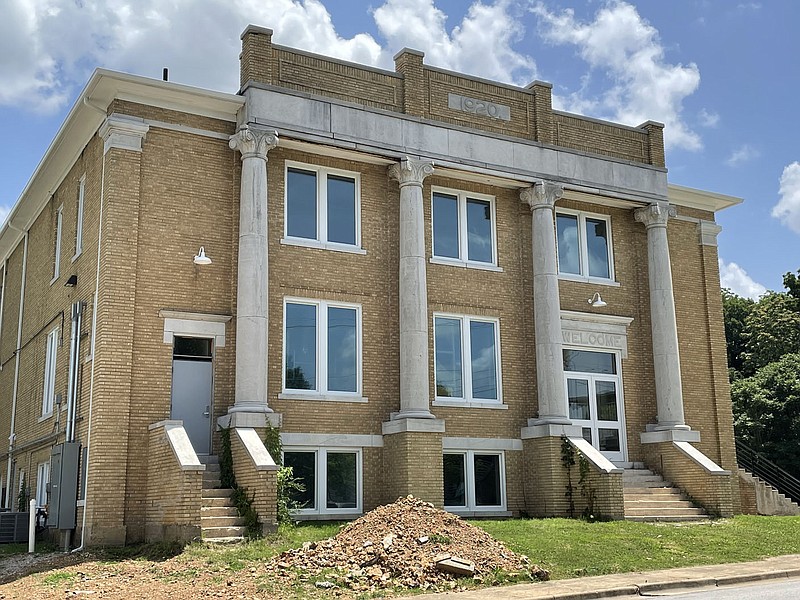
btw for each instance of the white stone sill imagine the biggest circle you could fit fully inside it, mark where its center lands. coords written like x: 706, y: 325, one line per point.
x: 288, y: 241
x: 499, y: 512
x: 451, y: 262
x: 44, y: 418
x: 321, y: 397
x: 592, y: 280
x: 469, y: 404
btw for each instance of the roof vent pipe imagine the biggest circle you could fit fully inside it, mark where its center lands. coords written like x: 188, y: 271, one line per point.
x: 165, y: 74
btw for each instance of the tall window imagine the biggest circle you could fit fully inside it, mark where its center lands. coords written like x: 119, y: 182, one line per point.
x: 49, y: 373
x: 584, y: 245
x: 463, y: 228
x: 331, y: 479
x: 474, y: 480
x: 57, y: 245
x: 79, y: 218
x: 322, y: 347
x: 467, y: 358
x: 322, y: 206
x: 42, y: 479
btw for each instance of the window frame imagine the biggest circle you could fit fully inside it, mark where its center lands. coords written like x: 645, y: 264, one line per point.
x: 583, y: 248
x: 321, y: 477
x: 49, y: 384
x: 469, y: 400
x: 57, y: 248
x: 321, y: 239
x: 79, y: 218
x: 42, y: 472
x: 470, y: 505
x: 321, y: 392
x: 462, y: 233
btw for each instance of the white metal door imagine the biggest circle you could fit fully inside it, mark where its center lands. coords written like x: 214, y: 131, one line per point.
x: 192, y: 385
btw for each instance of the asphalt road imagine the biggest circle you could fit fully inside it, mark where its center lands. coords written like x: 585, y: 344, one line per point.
x: 784, y: 590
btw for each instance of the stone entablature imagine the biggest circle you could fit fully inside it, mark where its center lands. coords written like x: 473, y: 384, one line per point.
x: 440, y: 95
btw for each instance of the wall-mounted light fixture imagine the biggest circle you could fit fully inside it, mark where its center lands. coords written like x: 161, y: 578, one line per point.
x: 201, y: 258
x: 596, y: 301
x: 72, y: 281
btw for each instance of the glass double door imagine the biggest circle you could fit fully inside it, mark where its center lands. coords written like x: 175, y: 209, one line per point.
x: 593, y: 393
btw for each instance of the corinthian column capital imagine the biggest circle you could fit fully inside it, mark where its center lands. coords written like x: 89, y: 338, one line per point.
x: 542, y: 195
x: 411, y: 171
x: 655, y: 215
x: 252, y: 142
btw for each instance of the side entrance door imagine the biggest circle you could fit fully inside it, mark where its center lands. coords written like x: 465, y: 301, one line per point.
x: 595, y: 401
x: 192, y: 385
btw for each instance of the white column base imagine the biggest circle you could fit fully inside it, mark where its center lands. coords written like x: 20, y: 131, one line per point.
x: 550, y: 430
x: 401, y: 425
x: 241, y: 418
x: 655, y: 436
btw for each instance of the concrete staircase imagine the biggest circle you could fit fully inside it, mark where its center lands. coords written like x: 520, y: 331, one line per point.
x: 649, y: 498
x: 219, y: 519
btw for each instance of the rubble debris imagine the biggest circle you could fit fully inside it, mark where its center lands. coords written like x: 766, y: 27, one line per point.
x: 456, y: 566
x: 408, y: 544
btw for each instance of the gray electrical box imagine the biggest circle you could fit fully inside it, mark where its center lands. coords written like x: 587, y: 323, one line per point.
x: 64, y: 462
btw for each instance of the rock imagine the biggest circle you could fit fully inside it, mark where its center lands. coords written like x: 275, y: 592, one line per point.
x: 423, y: 540
x: 456, y: 565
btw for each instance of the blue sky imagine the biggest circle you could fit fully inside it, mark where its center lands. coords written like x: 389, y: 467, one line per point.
x: 721, y: 74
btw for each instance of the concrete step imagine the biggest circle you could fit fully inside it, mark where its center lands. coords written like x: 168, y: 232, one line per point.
x: 665, y: 511
x: 657, y: 504
x: 666, y: 519
x: 208, y: 459
x: 215, y: 533
x: 212, y: 467
x: 216, y: 503
x: 640, y: 479
x: 216, y: 493
x: 219, y: 511
x: 636, y: 483
x: 646, y: 493
x: 206, y: 522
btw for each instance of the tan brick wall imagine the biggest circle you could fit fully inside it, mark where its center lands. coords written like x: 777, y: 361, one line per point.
x: 712, y: 491
x: 260, y: 485
x: 173, y: 495
x: 413, y: 466
x: 748, y: 504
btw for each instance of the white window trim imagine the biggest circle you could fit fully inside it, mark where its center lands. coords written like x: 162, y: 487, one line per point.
x: 468, y: 401
x: 471, y: 508
x: 321, y: 392
x: 623, y: 438
x: 320, y: 477
x: 57, y: 259
x: 49, y: 388
x: 42, y: 479
x: 79, y: 218
x: 321, y: 241
x: 583, y: 259
x: 463, y: 246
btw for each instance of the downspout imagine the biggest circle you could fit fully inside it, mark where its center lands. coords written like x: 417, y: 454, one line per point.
x: 3, y: 300
x: 12, y: 436
x: 93, y: 349
x: 74, y: 357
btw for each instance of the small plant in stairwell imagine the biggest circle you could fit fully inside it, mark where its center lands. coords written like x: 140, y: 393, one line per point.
x: 287, y: 484
x: 568, y: 460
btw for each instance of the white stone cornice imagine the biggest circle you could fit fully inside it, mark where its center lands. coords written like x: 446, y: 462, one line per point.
x: 708, y: 231
x: 124, y: 132
x: 542, y: 195
x: 411, y: 171
x: 253, y: 142
x: 655, y: 215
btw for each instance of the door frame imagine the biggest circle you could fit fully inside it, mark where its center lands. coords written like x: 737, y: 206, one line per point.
x: 592, y: 377
x: 212, y: 360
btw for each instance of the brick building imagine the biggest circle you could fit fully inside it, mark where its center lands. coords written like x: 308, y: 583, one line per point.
x: 427, y: 280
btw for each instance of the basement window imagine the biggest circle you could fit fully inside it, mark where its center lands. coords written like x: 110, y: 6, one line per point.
x: 474, y: 481
x: 331, y: 479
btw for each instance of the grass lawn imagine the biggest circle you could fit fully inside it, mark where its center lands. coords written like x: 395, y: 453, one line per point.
x: 572, y: 548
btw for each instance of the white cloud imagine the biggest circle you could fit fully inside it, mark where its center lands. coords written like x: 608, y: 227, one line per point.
x: 627, y: 49
x: 788, y: 207
x: 736, y: 279
x: 742, y: 154
x: 481, y: 44
x: 4, y: 210
x: 708, y: 118
x: 48, y: 48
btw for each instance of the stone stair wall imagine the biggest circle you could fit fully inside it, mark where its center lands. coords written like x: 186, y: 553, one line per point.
x: 760, y: 498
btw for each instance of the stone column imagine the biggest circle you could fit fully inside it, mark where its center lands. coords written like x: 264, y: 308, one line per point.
x: 669, y: 394
x: 251, y: 408
x: 414, y: 379
x: 546, y: 306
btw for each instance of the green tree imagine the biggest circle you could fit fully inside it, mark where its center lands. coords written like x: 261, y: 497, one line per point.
x: 792, y: 283
x: 766, y: 411
x: 735, y: 310
x: 772, y: 329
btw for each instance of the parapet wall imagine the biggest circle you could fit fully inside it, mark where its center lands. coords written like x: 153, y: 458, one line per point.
x: 444, y: 96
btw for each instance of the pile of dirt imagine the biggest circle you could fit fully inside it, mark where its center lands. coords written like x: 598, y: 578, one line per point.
x: 398, y: 546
